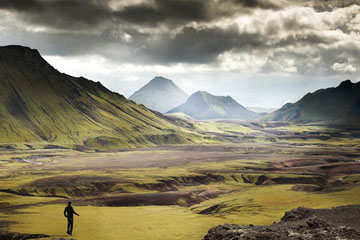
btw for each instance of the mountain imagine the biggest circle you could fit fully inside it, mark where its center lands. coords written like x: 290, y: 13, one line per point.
x: 203, y: 105
x: 160, y: 94
x: 40, y: 104
x: 332, y: 105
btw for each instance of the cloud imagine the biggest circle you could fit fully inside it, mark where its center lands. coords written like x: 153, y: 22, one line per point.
x: 65, y: 14
x: 285, y: 37
x: 326, y: 5
x: 264, y: 4
x: 71, y: 14
x: 343, y: 67
x: 202, y: 45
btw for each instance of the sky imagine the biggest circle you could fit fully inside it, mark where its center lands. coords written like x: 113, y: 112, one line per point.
x: 263, y: 53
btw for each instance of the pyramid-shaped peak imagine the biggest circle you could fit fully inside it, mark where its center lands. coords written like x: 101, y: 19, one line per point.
x: 160, y: 79
x: 160, y: 94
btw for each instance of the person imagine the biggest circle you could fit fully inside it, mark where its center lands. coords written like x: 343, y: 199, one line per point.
x: 69, y: 214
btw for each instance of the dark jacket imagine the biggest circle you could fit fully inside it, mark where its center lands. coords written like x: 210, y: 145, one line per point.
x: 69, y: 212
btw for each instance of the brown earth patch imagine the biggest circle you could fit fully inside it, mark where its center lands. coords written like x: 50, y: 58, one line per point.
x: 181, y: 198
x: 71, y: 181
x: 173, y: 183
x: 74, y: 186
x: 347, y: 168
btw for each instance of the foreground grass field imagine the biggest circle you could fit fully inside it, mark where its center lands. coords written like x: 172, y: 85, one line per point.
x: 255, y: 206
x: 150, y: 222
x: 179, y: 192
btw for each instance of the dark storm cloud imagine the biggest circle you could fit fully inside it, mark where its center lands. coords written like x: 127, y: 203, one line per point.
x: 279, y: 33
x: 60, y: 13
x: 69, y: 14
x: 171, y: 11
x: 180, y: 11
x: 201, y: 45
x: 264, y: 4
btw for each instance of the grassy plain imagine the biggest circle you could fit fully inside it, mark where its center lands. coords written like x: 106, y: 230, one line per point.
x: 180, y: 191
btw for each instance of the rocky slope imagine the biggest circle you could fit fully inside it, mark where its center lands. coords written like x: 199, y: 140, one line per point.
x: 203, y: 105
x: 332, y: 105
x: 40, y: 104
x: 160, y: 94
x: 301, y: 223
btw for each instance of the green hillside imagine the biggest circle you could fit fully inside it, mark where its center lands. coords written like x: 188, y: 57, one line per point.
x: 340, y: 105
x: 203, y: 105
x: 41, y: 105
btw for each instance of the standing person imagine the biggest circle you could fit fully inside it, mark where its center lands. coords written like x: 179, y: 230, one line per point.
x: 69, y: 214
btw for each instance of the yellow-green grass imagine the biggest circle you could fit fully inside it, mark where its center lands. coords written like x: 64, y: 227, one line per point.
x: 304, y: 128
x: 15, y: 200
x: 242, y: 203
x: 116, y: 223
x: 262, y: 205
x: 258, y: 205
x: 16, y: 174
x: 223, y: 128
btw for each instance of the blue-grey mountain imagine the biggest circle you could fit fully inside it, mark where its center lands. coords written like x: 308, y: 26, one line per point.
x: 160, y: 94
x: 202, y: 105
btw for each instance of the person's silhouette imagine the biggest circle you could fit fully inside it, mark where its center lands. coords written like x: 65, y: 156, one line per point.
x: 69, y: 214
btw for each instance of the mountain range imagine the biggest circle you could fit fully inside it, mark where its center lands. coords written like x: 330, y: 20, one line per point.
x: 203, y: 105
x: 339, y: 105
x: 160, y: 94
x: 40, y: 104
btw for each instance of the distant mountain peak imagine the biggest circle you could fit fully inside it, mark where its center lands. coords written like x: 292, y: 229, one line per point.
x: 334, y: 105
x: 160, y: 78
x: 160, y: 94
x: 201, y: 93
x: 206, y: 95
x: 160, y: 81
x: 203, y: 105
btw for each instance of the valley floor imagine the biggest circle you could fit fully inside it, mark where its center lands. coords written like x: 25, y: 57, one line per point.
x: 180, y: 191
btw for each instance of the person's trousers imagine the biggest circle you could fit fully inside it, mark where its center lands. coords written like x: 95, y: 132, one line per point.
x: 70, y: 225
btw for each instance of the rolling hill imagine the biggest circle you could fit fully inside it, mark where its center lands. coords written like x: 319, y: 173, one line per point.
x: 160, y: 94
x: 203, y: 105
x: 39, y: 104
x: 340, y: 105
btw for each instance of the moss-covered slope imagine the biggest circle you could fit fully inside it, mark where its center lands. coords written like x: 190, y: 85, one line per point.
x: 40, y: 104
x: 340, y: 105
